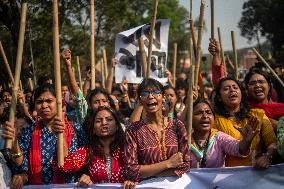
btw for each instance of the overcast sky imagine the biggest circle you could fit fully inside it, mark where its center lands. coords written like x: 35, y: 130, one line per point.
x: 227, y: 15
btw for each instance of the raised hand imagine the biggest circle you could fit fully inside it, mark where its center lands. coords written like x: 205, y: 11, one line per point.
x: 168, y: 74
x: 124, y: 85
x: 214, y: 47
x: 249, y: 130
x: 113, y: 61
x: 175, y: 160
x: 85, y: 181
x: 66, y: 55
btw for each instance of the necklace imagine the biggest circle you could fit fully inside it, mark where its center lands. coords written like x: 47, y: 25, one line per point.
x: 203, y: 148
x: 108, y: 167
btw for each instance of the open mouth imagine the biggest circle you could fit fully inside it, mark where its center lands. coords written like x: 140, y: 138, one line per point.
x: 259, y: 92
x: 152, y: 104
x: 233, y: 96
x: 205, y: 123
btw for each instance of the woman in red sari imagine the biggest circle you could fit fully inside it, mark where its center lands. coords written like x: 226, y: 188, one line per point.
x: 103, y: 156
x: 156, y: 145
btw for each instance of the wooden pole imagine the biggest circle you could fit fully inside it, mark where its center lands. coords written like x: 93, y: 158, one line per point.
x: 235, y: 60
x: 230, y: 63
x: 267, y: 65
x: 200, y: 32
x: 143, y: 56
x: 92, y: 45
x: 105, y: 63
x: 56, y: 60
x: 190, y: 103
x: 152, y: 31
x: 174, y: 64
x: 193, y: 36
x: 12, y: 113
x: 79, y: 73
x: 189, y: 41
x: 212, y: 19
x: 222, y: 50
x: 103, y: 73
x: 6, y: 63
x: 31, y: 85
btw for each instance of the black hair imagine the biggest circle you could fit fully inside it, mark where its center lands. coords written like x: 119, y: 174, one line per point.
x: 219, y: 106
x: 149, y: 83
x: 267, y: 77
x: 43, y: 79
x: 98, y: 91
x: 94, y: 141
x: 90, y: 112
x: 46, y: 87
x: 9, y: 90
x: 181, y: 84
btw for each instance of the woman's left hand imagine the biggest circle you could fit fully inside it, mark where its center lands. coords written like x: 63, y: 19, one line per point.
x: 128, y: 184
x: 249, y: 131
x: 58, y: 125
x: 263, y: 162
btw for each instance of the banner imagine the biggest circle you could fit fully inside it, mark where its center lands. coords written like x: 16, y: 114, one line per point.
x: 129, y: 65
x: 219, y: 178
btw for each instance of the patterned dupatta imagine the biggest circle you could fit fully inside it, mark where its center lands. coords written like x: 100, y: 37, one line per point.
x: 202, y: 153
x: 35, y: 161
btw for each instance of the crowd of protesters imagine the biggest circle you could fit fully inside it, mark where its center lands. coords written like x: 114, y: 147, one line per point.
x: 126, y: 133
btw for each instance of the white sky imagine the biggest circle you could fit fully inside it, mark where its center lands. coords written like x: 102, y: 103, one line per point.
x: 227, y: 15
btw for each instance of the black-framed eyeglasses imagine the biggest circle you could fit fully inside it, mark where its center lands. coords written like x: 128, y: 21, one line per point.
x: 154, y: 92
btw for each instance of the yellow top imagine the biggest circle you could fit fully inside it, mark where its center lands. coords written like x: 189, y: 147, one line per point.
x: 260, y: 141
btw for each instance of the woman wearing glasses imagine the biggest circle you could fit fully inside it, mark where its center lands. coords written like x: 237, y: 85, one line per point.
x: 155, y: 145
x: 259, y: 88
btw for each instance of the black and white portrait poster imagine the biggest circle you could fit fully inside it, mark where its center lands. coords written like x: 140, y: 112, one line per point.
x: 129, y: 65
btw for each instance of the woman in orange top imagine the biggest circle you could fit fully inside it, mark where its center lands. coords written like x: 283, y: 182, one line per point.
x: 232, y: 110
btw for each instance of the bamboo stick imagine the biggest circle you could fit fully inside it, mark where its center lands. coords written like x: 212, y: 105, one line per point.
x: 267, y: 65
x: 222, y: 50
x: 92, y: 45
x: 200, y: 32
x: 174, y: 64
x: 190, y: 103
x: 143, y: 56
x: 79, y: 73
x: 212, y: 19
x: 105, y: 63
x: 152, y: 31
x: 235, y: 60
x: 6, y: 63
x: 189, y: 41
x: 56, y: 60
x: 31, y: 85
x: 103, y: 73
x: 193, y: 36
x: 12, y: 113
x: 230, y: 63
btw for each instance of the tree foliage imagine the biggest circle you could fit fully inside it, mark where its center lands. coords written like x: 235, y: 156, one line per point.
x: 111, y: 17
x: 264, y: 17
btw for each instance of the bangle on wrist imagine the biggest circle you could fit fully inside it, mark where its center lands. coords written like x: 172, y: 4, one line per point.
x: 16, y: 155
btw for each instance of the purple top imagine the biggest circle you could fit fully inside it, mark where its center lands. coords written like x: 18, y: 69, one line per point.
x: 220, y: 144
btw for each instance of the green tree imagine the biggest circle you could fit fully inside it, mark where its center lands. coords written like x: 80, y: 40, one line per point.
x: 264, y: 17
x: 111, y: 17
